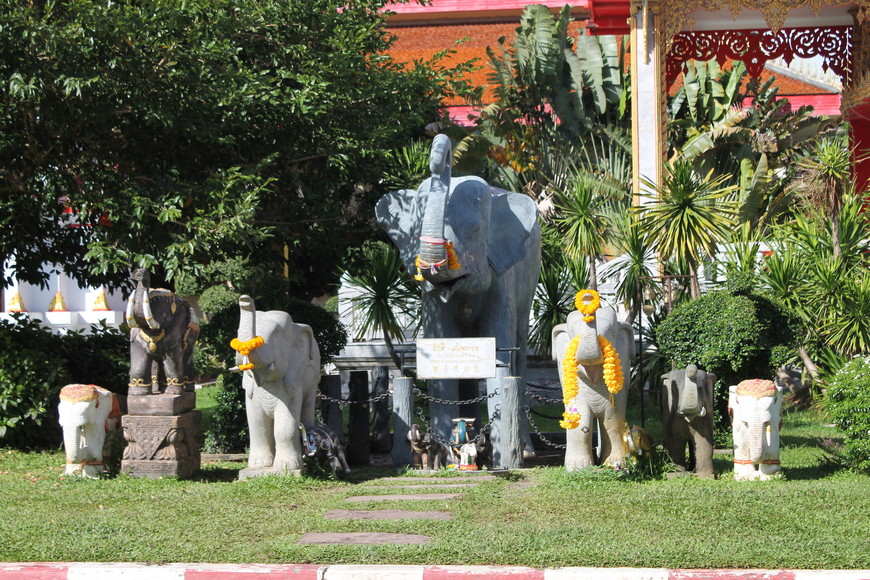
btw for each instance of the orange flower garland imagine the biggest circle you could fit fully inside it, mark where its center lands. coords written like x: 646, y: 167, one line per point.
x: 570, y: 386
x: 244, y: 348
x: 613, y: 377
x: 588, y: 310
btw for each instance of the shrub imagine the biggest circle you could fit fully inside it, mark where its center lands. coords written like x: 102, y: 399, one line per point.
x: 35, y: 364
x: 736, y: 336
x: 228, y: 432
x: 848, y: 404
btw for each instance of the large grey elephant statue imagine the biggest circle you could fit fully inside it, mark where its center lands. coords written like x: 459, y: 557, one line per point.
x: 281, y: 365
x: 477, y: 252
x: 686, y: 403
x: 594, y: 400
x: 163, y: 333
x: 755, y: 406
x: 86, y: 413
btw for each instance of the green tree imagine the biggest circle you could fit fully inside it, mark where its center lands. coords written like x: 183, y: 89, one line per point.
x: 689, y: 216
x: 180, y: 133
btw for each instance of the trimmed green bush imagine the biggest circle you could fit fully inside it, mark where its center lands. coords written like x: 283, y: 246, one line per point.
x: 734, y: 335
x: 848, y: 404
x: 35, y: 364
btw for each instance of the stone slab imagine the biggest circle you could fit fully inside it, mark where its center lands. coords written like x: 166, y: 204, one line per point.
x: 363, y: 538
x: 424, y: 485
x: 161, y: 404
x: 406, y: 496
x: 251, y: 472
x: 386, y: 515
x: 445, y: 479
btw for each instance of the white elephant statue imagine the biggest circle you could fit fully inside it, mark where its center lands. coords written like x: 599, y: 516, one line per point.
x: 86, y: 414
x: 586, y: 361
x: 281, y: 365
x: 755, y: 406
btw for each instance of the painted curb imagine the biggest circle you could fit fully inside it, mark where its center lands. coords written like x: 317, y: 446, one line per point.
x: 128, y: 571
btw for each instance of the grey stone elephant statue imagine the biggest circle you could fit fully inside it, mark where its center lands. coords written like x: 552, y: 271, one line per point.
x: 594, y: 402
x: 163, y: 333
x: 477, y: 253
x: 281, y: 364
x: 686, y: 402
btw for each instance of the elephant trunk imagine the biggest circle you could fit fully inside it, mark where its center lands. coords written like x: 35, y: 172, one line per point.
x: 588, y: 348
x: 139, y: 304
x: 757, y: 434
x: 247, y: 318
x: 73, y: 442
x: 432, y: 243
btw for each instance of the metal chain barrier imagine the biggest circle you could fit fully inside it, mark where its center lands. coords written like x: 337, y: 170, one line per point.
x: 479, y: 399
x: 535, y: 428
x: 380, y: 397
x: 548, y: 388
x: 540, y: 398
x: 481, y: 430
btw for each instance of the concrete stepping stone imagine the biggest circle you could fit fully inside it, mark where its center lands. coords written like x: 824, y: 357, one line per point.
x: 362, y: 538
x: 445, y: 479
x: 407, y: 496
x: 426, y: 485
x: 386, y: 515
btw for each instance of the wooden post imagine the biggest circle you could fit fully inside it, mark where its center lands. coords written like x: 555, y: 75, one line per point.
x: 358, y: 423
x: 403, y: 417
x: 511, y: 437
x: 330, y: 386
x: 380, y: 435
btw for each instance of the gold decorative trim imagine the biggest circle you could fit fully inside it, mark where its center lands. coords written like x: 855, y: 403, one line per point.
x: 673, y: 15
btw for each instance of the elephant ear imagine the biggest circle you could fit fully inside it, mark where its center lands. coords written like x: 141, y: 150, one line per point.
x: 513, y: 218
x: 560, y: 340
x: 400, y: 215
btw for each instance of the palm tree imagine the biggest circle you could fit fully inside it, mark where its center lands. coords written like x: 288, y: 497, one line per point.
x: 386, y: 292
x: 635, y: 262
x: 825, y: 180
x: 691, y: 214
x: 584, y: 215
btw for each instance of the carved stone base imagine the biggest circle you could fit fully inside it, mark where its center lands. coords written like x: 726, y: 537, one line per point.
x: 161, y: 404
x: 160, y: 445
x: 249, y: 472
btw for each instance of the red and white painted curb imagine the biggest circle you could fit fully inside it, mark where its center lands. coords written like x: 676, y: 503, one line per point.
x: 123, y: 571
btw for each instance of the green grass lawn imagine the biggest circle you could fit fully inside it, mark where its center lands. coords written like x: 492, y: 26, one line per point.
x: 815, y: 517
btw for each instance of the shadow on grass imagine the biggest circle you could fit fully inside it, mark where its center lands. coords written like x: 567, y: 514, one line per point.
x: 217, y: 474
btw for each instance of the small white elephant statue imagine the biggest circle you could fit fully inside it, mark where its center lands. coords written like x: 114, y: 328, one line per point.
x: 86, y: 414
x: 755, y: 406
x: 594, y: 351
x: 281, y: 365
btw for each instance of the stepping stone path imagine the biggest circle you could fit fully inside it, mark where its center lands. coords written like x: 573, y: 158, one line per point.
x: 409, y: 483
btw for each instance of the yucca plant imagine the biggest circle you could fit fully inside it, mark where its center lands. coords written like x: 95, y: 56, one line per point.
x: 386, y: 292
x: 689, y: 216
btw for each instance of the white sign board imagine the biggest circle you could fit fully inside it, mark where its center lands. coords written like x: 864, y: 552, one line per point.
x: 456, y: 358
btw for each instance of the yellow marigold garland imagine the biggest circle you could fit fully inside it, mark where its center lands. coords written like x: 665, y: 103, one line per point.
x: 588, y: 310
x: 613, y: 377
x: 570, y: 386
x: 244, y: 348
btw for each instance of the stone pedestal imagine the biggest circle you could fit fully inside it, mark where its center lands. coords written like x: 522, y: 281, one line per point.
x: 159, y: 443
x: 250, y: 472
